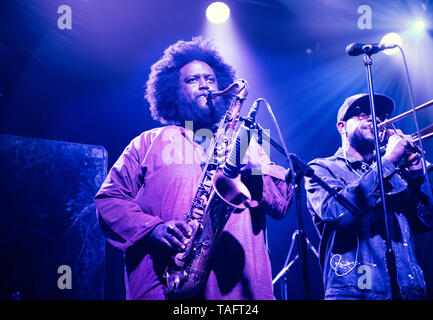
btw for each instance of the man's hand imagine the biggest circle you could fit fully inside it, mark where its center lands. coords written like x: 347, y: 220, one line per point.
x: 399, y: 148
x: 172, y: 235
x: 251, y: 167
x: 416, y: 164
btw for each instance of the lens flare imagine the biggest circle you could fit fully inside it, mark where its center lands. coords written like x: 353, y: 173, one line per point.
x: 419, y: 26
x: 391, y: 39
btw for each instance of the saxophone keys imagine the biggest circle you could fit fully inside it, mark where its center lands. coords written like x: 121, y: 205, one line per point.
x: 179, y: 260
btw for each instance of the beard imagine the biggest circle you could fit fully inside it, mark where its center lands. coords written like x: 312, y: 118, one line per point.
x: 362, y: 140
x: 365, y: 145
x: 201, y: 117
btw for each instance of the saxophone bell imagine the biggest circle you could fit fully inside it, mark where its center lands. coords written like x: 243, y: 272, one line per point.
x: 233, y: 192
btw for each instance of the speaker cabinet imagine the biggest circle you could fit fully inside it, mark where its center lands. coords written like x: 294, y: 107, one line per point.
x: 51, y: 244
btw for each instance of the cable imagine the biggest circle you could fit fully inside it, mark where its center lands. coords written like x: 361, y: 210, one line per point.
x: 338, y: 256
x: 412, y: 103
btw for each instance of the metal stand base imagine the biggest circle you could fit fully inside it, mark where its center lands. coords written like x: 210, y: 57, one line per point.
x: 297, y: 238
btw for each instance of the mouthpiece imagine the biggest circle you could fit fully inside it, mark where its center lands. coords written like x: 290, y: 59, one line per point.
x: 240, y: 83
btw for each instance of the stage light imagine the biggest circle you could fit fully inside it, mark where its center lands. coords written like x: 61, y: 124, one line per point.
x: 419, y: 26
x: 391, y: 39
x: 217, y: 12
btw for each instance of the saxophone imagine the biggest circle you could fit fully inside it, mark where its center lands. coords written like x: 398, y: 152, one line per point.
x: 215, y: 199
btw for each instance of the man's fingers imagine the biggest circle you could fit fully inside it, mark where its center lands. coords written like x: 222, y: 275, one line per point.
x: 398, y: 138
x: 166, y: 243
x: 174, y: 233
x: 185, y: 228
x: 175, y: 243
x: 400, y: 132
x: 177, y: 232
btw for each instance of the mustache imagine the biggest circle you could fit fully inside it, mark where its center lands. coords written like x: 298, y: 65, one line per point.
x: 382, y: 133
x: 190, y: 110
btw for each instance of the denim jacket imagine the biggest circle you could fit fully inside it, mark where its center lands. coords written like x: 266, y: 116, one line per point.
x: 353, y: 247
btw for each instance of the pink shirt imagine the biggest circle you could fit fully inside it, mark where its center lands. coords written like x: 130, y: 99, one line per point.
x: 154, y: 180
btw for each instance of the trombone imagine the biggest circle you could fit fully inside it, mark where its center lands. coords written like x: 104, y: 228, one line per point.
x: 425, y: 133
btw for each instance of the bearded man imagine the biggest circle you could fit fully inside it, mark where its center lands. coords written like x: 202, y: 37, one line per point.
x: 353, y: 251
x: 143, y: 202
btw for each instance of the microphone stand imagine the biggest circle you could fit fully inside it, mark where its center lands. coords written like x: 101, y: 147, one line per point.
x: 302, y: 243
x: 390, y: 256
x: 300, y: 170
x: 293, y: 176
x: 297, y: 171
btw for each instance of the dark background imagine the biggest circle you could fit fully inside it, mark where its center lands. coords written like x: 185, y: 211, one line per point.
x: 85, y: 85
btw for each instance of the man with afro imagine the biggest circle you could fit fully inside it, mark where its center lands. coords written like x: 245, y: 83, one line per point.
x: 143, y: 202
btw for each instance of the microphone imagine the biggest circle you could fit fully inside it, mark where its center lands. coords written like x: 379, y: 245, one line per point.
x: 355, y: 49
x: 233, y: 164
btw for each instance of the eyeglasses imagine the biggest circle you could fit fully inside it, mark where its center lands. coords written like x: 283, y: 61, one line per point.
x: 363, y: 114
